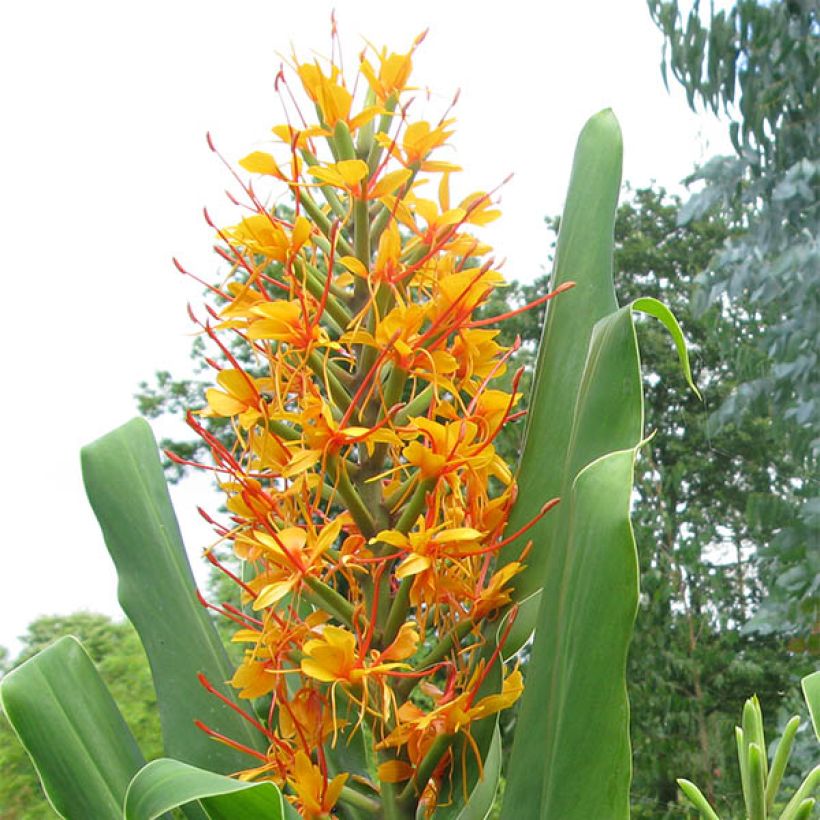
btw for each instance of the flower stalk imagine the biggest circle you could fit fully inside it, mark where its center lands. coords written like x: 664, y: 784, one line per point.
x: 367, y: 501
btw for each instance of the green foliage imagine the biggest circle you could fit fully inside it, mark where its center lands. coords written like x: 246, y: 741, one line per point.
x: 120, y: 659
x: 585, y: 412
x: 708, y: 505
x: 168, y: 784
x: 761, y: 778
x: 69, y: 724
x: 756, y: 65
x: 125, y: 485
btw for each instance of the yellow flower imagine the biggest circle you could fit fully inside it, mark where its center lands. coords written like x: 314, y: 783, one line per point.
x: 331, y: 97
x: 333, y: 658
x: 238, y: 397
x: 428, y: 546
x: 253, y: 678
x: 269, y: 237
x: 419, y: 141
x: 394, y: 71
x: 315, y: 796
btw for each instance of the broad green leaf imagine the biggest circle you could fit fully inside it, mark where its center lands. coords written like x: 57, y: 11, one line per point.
x: 583, y: 256
x: 126, y: 487
x: 811, y: 692
x: 69, y: 724
x: 166, y: 784
x: 571, y: 757
x: 571, y: 754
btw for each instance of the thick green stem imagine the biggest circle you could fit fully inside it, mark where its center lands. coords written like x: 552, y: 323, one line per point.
x: 393, y: 390
x: 332, y: 601
x: 315, y: 283
x: 415, y: 407
x: 364, y: 143
x: 322, y: 221
x: 400, y: 493
x: 359, y: 801
x: 343, y: 140
x: 386, y: 119
x: 327, y: 371
x: 361, y: 231
x: 414, y: 506
x: 392, y: 808
x: 353, y: 501
x: 401, y: 603
x: 382, y: 218
x: 284, y: 431
x: 398, y: 611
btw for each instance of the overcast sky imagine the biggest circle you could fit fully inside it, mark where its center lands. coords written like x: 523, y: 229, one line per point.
x: 105, y: 172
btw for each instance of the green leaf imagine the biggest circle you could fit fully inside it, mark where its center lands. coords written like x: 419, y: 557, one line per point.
x: 349, y: 755
x: 584, y: 256
x: 166, y: 784
x: 126, y: 487
x: 481, y: 800
x: 69, y: 724
x: 752, y: 723
x: 779, y: 761
x: 696, y: 798
x: 805, y: 792
x: 811, y: 692
x: 756, y: 800
x: 571, y: 758
x: 804, y: 810
x: 467, y: 794
x: 743, y: 761
x: 660, y: 311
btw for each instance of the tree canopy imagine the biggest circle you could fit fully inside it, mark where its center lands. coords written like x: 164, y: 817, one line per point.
x: 755, y: 65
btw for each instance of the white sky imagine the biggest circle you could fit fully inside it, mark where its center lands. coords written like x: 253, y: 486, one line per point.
x: 104, y: 172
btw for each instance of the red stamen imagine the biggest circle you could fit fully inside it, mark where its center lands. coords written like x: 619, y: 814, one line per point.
x: 229, y: 703
x: 496, y: 654
x: 228, y: 742
x: 541, y: 513
x: 235, y: 578
x: 490, y: 320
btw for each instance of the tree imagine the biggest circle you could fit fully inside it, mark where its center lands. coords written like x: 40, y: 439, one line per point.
x: 117, y: 652
x: 756, y: 65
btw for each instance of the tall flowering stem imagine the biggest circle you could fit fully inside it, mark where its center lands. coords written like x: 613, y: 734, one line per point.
x: 367, y: 501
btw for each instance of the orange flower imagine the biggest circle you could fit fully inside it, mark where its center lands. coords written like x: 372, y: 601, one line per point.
x: 315, y: 796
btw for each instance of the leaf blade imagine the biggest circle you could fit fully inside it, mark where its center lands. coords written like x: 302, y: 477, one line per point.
x: 570, y: 756
x: 583, y: 255
x: 126, y: 487
x: 66, y: 719
x: 167, y: 784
